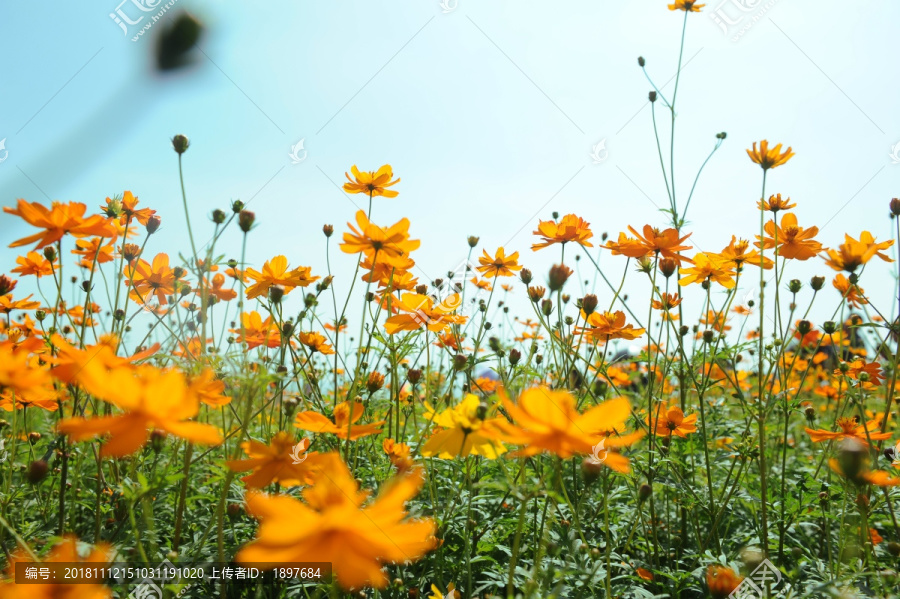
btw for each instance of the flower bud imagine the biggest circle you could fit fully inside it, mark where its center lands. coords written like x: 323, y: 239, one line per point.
x: 641, y: 61
x: 851, y: 456
x: 7, y: 284
x: 895, y: 206
x: 817, y: 283
x: 375, y: 381
x: 804, y: 327
x: 460, y: 361
x: 37, y: 471
x: 589, y: 304
x: 473, y: 241
x: 414, y: 375
x: 153, y: 224
x: 157, y: 440
x: 246, y: 220
x: 652, y: 96
x: 525, y: 276
x: 536, y: 293
x: 644, y: 492
x: 237, y: 206
x: 328, y: 230
x: 668, y: 267
x: 795, y: 285
x: 547, y: 307
x: 559, y: 274
x: 514, y: 356
x: 590, y: 469
x: 181, y: 143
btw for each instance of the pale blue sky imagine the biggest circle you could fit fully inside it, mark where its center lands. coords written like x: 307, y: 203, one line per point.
x: 487, y: 112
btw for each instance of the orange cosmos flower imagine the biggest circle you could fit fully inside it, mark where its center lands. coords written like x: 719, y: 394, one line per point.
x: 421, y: 311
x: 603, y: 326
x: 852, y: 254
x: 850, y: 429
x: 285, y: 461
x: 879, y: 478
x: 209, y: 389
x: 569, y: 228
x: 35, y: 264
x: 275, y: 272
x: 709, y: 267
x: 372, y: 183
x: 686, y: 5
x: 316, y: 342
x: 70, y: 363
x: 463, y: 432
x: 127, y: 209
x: 7, y: 304
x: 794, y: 242
x: 721, y: 581
x: 93, y: 251
x: 217, y: 289
x: 737, y: 254
x: 344, y: 422
x: 872, y: 369
x: 392, y: 244
x: 18, y: 372
x: 7, y: 285
x: 65, y: 552
x: 500, y: 265
x: 332, y: 326
x: 854, y: 294
x: 384, y: 270
x: 146, y: 281
x: 664, y: 244
x: 151, y: 399
x: 666, y: 302
x: 547, y: 420
x: 716, y: 320
x: 332, y: 524
x: 482, y: 284
x: 769, y: 157
x: 46, y: 398
x: 57, y: 221
x: 775, y: 204
x: 672, y: 421
x: 398, y: 453
x: 875, y: 537
x: 257, y: 332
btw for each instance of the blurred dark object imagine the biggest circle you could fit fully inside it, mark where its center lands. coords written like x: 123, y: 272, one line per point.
x: 174, y: 44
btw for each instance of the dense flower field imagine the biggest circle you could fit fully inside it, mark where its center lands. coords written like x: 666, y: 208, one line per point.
x: 180, y: 404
